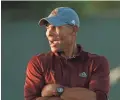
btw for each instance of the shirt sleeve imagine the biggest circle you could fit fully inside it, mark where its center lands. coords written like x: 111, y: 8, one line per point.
x: 99, y: 82
x: 34, y: 81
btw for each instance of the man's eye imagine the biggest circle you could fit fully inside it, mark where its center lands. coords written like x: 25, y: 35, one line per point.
x: 46, y: 25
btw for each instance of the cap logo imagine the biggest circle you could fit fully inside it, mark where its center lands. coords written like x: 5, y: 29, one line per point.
x: 73, y: 22
x: 53, y: 13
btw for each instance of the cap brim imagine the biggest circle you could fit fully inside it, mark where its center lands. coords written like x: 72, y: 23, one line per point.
x: 55, y: 20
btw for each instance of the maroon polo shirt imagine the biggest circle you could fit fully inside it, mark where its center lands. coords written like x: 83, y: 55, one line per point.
x: 84, y: 70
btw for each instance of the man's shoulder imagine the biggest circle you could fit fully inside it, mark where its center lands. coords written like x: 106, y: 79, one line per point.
x: 99, y: 62
x: 96, y: 57
x: 40, y: 60
x: 42, y: 56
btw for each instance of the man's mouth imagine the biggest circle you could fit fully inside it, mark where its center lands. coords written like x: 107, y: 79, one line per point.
x: 54, y: 42
x: 51, y: 42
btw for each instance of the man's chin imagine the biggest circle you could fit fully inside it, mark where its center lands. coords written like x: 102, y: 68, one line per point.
x: 55, y: 50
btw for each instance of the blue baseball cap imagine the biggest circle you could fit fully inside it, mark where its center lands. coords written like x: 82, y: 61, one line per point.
x: 61, y: 16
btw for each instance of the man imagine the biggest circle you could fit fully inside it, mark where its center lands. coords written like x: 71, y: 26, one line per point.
x: 67, y: 72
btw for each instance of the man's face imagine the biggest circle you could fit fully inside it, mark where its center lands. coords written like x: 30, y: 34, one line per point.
x: 60, y: 37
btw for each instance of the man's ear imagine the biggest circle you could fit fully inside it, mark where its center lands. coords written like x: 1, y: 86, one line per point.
x: 75, y: 29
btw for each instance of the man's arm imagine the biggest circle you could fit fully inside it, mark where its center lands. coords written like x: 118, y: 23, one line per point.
x: 100, y: 79
x: 49, y: 98
x: 34, y: 81
x: 98, y: 86
x: 78, y: 94
x: 69, y: 93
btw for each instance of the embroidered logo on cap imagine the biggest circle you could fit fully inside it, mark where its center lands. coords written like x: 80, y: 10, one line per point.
x: 53, y: 13
x: 73, y: 22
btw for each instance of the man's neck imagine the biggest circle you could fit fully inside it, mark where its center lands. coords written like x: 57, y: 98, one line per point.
x: 70, y: 52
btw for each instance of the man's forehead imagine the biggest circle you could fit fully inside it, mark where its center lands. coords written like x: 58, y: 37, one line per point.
x: 62, y: 26
x: 49, y: 24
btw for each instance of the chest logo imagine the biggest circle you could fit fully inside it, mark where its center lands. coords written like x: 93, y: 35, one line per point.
x: 83, y: 74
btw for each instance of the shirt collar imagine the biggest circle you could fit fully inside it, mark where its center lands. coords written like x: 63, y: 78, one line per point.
x: 79, y: 47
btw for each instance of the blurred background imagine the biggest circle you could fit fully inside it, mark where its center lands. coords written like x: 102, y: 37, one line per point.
x: 21, y: 38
